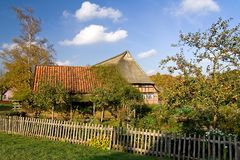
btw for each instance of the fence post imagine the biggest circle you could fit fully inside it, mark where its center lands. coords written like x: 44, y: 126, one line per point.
x: 9, y: 125
x: 230, y: 147
x: 238, y: 151
x: 237, y: 147
x: 111, y: 137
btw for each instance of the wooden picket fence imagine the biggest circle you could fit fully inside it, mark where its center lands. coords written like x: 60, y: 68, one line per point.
x: 139, y: 141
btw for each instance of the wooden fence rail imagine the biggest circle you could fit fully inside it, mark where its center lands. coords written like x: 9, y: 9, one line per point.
x: 140, y: 141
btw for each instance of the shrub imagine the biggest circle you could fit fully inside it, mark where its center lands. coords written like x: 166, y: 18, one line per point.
x: 102, y: 144
x: 218, y: 132
x: 13, y: 113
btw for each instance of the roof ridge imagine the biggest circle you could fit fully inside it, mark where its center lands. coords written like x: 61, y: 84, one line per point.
x: 121, y: 54
x: 63, y: 66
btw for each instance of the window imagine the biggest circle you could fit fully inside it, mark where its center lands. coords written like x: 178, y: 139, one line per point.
x: 148, y: 96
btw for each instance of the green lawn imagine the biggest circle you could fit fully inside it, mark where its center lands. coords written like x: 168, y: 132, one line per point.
x: 5, y: 107
x: 14, y: 147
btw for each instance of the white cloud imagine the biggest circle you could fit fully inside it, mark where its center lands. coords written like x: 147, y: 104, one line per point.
x: 90, y: 11
x: 151, y: 72
x: 95, y: 33
x: 197, y: 7
x: 63, y: 63
x: 147, y: 54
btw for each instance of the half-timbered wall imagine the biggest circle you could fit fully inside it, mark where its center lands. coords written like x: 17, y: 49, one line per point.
x: 149, y: 92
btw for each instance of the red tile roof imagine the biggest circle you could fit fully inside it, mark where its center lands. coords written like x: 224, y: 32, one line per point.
x: 74, y: 79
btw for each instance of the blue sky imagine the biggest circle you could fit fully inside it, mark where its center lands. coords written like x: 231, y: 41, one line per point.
x: 87, y: 32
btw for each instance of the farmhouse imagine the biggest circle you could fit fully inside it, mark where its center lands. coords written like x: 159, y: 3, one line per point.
x: 81, y: 80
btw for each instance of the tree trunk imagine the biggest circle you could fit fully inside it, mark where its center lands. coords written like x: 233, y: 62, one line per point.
x: 102, y: 115
x: 214, y: 121
x: 52, y: 112
x: 71, y: 112
x: 134, y: 113
x: 215, y: 70
x: 134, y: 117
x: 120, y: 122
x: 94, y: 109
x: 37, y: 113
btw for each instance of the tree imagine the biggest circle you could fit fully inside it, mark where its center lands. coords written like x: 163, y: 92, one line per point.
x: 219, y: 45
x: 202, y: 91
x: 28, y: 51
x: 131, y: 100
x: 106, y: 93
x: 49, y: 97
x: 113, y: 92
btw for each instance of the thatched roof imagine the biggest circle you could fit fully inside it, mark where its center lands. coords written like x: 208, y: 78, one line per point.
x: 128, y: 68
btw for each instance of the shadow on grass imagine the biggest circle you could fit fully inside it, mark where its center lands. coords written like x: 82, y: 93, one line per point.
x: 121, y: 156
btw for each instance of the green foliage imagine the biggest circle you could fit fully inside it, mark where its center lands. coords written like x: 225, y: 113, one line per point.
x: 109, y: 86
x: 101, y: 144
x: 159, y: 118
x: 165, y: 83
x: 50, y: 96
x: 217, y: 132
x: 114, y: 93
x: 130, y: 97
x: 229, y: 119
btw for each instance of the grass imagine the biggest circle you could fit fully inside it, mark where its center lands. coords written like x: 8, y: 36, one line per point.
x: 19, y: 147
x: 5, y: 107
